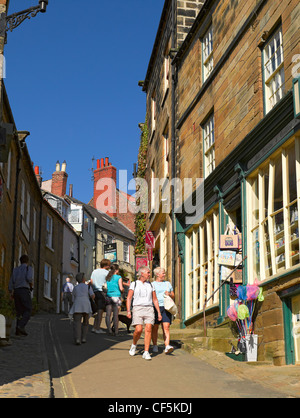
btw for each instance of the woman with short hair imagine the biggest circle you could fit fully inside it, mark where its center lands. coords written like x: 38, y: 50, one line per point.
x: 162, y: 287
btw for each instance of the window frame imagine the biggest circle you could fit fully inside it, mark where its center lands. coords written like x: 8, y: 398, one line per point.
x: 209, y: 158
x: 271, y: 77
x: 279, y: 250
x: 207, y: 53
x: 202, y: 269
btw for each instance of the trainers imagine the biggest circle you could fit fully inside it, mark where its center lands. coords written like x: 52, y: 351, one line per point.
x: 169, y: 349
x: 132, y: 350
x: 155, y: 349
x: 100, y: 331
x: 147, y: 356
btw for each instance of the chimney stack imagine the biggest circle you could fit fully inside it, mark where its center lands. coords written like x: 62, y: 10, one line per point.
x: 37, y: 175
x: 59, y: 180
x: 105, y: 180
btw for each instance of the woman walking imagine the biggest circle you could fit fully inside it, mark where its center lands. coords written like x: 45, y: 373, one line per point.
x: 162, y: 287
x: 81, y: 309
x: 113, y: 298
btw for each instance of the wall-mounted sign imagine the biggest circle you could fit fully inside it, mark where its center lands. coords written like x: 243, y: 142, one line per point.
x: 141, y: 261
x: 110, y: 252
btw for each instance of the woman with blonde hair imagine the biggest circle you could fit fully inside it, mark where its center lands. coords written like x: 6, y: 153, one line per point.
x: 162, y: 287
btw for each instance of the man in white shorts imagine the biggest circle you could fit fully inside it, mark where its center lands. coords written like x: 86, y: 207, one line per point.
x: 144, y: 297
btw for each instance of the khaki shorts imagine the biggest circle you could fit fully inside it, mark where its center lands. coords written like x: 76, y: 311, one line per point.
x: 142, y: 315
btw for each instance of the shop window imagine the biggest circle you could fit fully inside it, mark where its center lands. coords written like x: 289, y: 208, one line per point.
x: 273, y: 235
x: 201, y: 264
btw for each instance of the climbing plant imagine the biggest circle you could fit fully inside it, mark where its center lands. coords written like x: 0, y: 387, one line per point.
x: 140, y: 217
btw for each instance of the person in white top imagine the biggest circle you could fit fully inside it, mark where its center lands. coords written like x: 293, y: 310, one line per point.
x: 144, y: 297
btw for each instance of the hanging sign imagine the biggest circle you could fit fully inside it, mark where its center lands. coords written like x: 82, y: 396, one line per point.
x: 150, y: 239
x: 110, y: 252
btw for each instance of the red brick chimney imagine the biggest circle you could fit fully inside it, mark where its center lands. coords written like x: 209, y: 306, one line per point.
x: 59, y: 180
x: 37, y: 175
x: 105, y: 187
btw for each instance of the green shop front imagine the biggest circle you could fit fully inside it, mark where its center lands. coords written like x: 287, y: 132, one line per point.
x: 257, y: 190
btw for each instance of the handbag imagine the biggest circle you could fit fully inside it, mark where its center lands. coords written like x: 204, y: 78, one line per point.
x: 104, y: 287
x: 170, y: 306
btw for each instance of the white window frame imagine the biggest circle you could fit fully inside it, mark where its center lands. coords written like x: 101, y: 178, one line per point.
x: 207, y: 53
x: 202, y: 269
x: 166, y: 72
x: 153, y: 113
x: 126, y: 252
x: 49, y: 232
x: 209, y: 145
x: 47, y: 280
x: 278, y: 246
x: 274, y: 80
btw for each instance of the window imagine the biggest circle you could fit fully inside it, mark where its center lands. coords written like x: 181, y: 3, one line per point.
x: 126, y: 255
x: 202, y: 248
x: 153, y: 112
x: 273, y: 70
x: 273, y: 196
x: 8, y: 171
x: 166, y: 71
x: 163, y: 246
x: 87, y: 223
x: 49, y: 232
x: 23, y: 199
x: 207, y: 53
x: 34, y: 224
x: 74, y: 216
x: 209, y: 146
x: 47, y: 280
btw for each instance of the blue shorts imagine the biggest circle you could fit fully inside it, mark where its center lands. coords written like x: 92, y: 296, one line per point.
x: 166, y: 316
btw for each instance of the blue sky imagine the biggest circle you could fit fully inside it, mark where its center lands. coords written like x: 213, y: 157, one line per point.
x: 72, y: 80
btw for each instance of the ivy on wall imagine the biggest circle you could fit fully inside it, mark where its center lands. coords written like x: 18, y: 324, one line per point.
x: 140, y: 218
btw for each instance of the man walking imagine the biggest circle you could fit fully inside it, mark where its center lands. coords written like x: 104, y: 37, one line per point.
x: 98, y: 278
x: 67, y: 296
x: 144, y: 297
x: 20, y: 286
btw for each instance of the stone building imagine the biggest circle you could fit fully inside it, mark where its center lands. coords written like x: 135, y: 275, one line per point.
x: 236, y: 128
x: 28, y: 224
x: 176, y: 20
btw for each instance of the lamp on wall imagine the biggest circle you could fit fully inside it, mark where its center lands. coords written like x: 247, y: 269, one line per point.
x: 14, y: 20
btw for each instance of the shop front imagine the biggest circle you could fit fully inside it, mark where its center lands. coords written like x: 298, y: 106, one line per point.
x: 256, y: 191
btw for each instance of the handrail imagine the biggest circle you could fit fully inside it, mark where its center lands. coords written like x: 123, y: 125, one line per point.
x: 217, y: 290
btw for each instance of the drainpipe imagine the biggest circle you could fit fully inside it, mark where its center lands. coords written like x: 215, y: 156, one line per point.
x: 173, y: 140
x: 15, y: 203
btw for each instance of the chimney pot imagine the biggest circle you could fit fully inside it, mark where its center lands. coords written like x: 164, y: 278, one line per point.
x: 64, y: 166
x: 57, y: 167
x: 102, y: 162
x: 106, y: 161
x: 98, y: 164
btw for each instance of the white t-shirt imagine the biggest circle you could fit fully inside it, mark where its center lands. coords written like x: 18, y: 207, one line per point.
x: 142, y: 293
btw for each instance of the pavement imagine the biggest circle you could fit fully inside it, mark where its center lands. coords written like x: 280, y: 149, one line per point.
x: 25, y: 371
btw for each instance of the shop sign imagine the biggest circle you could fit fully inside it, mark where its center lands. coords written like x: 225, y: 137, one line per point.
x: 110, y: 252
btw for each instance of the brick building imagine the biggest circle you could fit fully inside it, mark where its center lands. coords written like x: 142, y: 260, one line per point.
x: 236, y: 125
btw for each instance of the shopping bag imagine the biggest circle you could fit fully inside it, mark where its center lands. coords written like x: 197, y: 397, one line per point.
x: 229, y: 240
x: 169, y: 305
